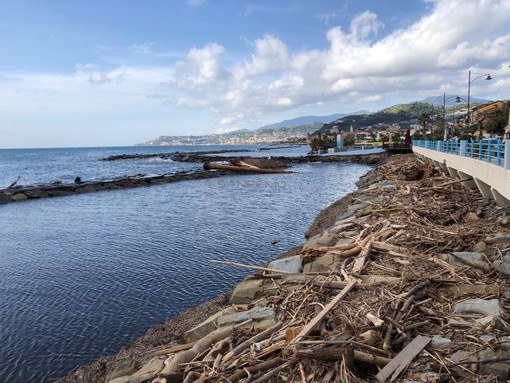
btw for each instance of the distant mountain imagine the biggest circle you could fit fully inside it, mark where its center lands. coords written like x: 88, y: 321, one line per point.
x: 438, y: 100
x: 308, y: 120
x: 294, y: 130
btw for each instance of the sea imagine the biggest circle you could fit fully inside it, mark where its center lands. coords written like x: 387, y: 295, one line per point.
x: 82, y: 276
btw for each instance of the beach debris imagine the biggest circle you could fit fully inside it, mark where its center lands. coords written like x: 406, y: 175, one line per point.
x: 402, y: 296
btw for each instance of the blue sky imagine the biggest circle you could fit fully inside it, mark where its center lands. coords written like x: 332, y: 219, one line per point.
x: 112, y: 72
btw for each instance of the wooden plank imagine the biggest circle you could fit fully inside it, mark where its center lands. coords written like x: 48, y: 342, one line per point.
x: 402, y: 360
x: 319, y: 317
x: 359, y: 264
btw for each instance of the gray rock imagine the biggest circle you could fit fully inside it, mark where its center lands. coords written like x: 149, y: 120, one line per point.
x: 439, y: 343
x: 464, y: 258
x: 338, y: 228
x: 506, y: 293
x: 490, y: 308
x: 498, y: 369
x: 357, y: 206
x: 148, y: 371
x: 230, y: 317
x: 346, y: 214
x: 324, y: 239
x: 291, y: 264
x: 125, y: 368
x: 503, y: 265
x: 382, y: 184
x: 330, y: 261
x: 122, y: 379
x: 479, y: 306
x: 202, y: 329
x: 462, y: 356
x: 247, y: 291
x: 499, y: 238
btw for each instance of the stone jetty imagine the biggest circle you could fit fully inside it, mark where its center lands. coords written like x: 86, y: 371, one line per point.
x: 17, y: 193
x: 404, y: 280
x: 23, y: 193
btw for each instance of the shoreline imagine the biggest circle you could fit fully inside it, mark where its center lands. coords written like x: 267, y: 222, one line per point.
x: 437, y: 243
x: 169, y: 331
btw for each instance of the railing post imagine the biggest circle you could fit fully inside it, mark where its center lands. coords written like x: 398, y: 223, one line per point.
x: 438, y: 146
x: 498, y: 152
x: 480, y: 150
x: 507, y: 155
x: 463, y: 148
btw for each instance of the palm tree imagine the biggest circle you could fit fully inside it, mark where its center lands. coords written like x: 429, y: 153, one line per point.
x: 424, y: 119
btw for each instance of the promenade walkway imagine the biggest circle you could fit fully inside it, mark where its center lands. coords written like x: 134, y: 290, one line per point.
x: 484, y: 165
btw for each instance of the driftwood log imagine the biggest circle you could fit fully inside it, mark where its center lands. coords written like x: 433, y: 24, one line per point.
x: 245, y: 169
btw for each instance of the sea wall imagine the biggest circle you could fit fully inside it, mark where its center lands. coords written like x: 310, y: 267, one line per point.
x: 405, y: 278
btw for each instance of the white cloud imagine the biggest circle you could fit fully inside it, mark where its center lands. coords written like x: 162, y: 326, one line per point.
x: 201, y: 68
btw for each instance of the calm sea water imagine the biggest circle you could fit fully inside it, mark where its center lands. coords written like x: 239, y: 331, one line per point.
x: 84, y: 275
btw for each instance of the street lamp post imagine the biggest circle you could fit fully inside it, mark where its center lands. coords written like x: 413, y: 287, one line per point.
x: 457, y: 100
x: 487, y: 77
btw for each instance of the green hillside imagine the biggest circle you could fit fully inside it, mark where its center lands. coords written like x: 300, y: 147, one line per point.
x: 402, y: 114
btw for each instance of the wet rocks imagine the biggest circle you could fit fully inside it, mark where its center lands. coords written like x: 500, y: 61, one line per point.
x: 23, y: 193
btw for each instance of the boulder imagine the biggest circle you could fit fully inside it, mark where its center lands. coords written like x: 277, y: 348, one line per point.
x: 503, y: 265
x: 124, y: 368
x: 324, y: 239
x: 330, y: 261
x: 439, y: 343
x: 144, y: 374
x: 292, y: 264
x: 202, y: 329
x: 247, y: 291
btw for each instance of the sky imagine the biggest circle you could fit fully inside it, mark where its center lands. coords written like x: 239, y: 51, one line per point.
x: 120, y: 72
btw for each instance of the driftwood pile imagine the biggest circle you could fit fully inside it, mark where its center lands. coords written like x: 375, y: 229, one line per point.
x: 332, y: 327
x: 372, y: 317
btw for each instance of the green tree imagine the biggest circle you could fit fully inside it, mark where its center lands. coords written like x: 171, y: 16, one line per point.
x: 424, y: 120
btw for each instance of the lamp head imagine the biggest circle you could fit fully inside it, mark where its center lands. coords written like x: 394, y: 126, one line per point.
x: 488, y: 77
x: 457, y: 99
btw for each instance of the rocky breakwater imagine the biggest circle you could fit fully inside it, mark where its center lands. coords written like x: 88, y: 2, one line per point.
x: 404, y: 280
x: 17, y: 193
x: 368, y: 159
